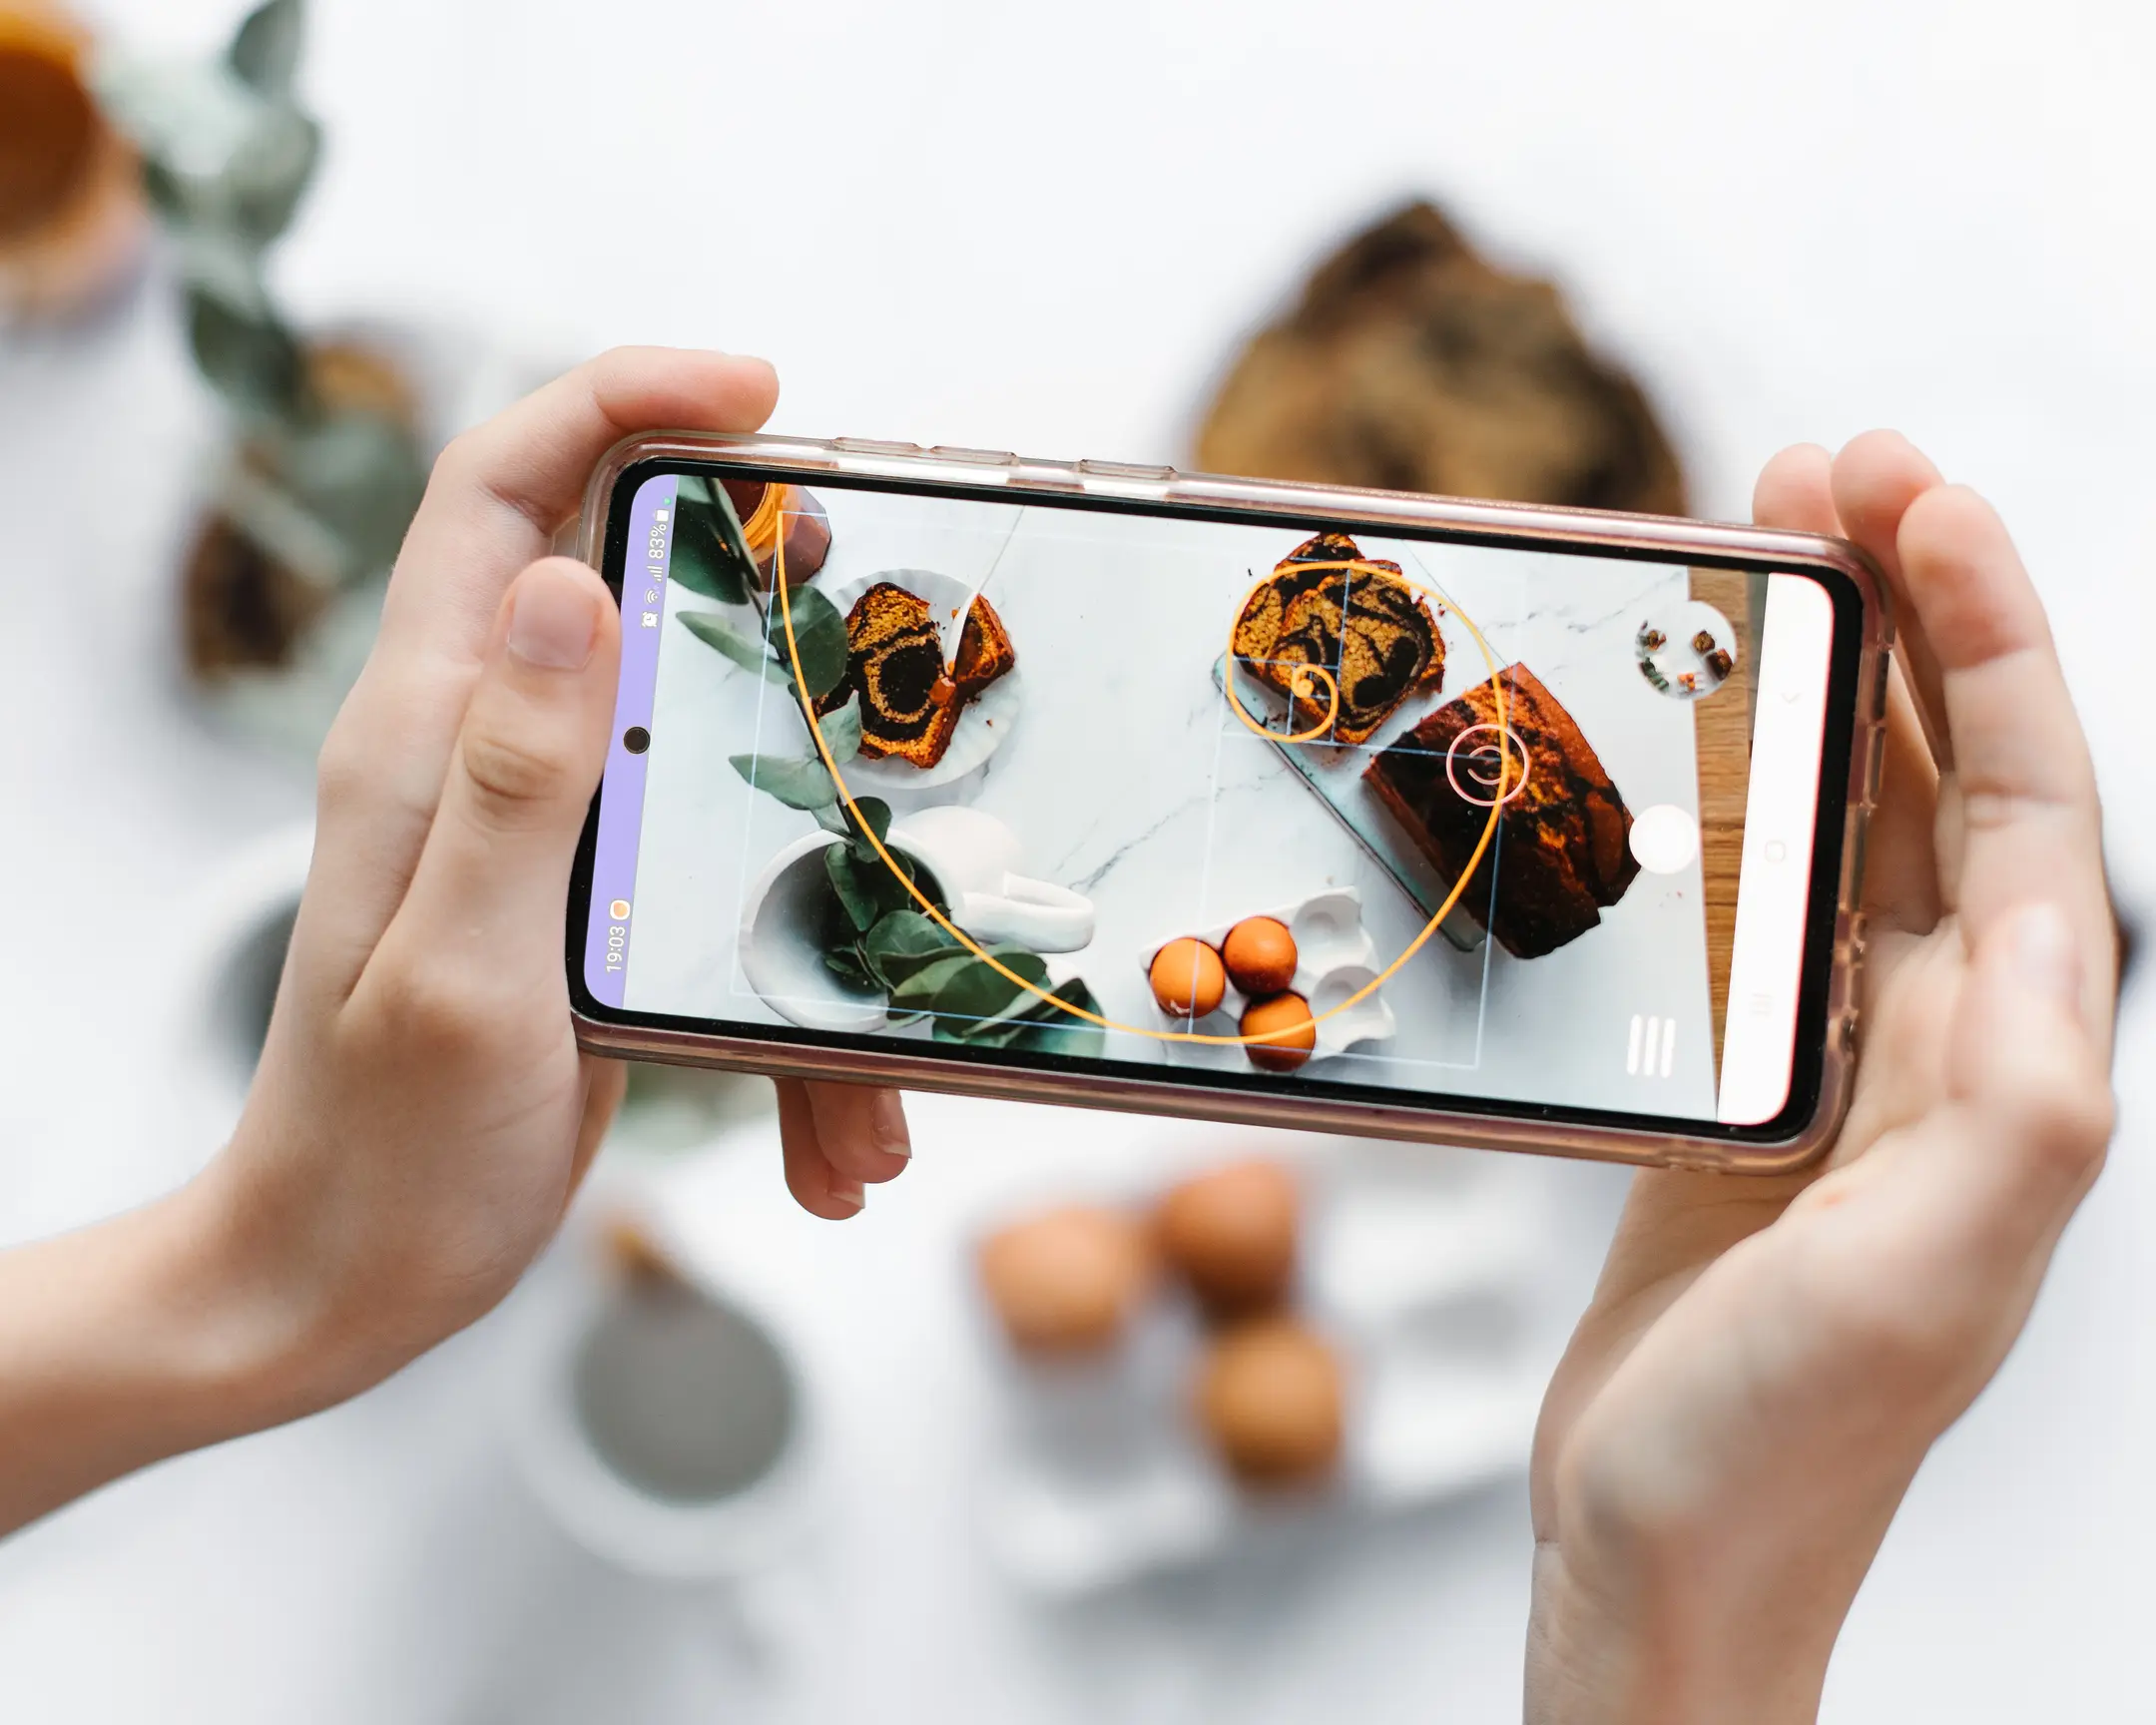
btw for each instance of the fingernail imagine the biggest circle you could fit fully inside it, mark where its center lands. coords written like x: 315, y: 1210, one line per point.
x: 2045, y: 956
x: 886, y: 1125
x: 553, y: 620
x: 847, y: 1194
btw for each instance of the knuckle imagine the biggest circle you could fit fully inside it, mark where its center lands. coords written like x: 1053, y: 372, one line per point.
x: 344, y: 772
x: 462, y: 459
x: 1911, y: 1344
x: 440, y: 1006
x: 2066, y: 1130
x: 514, y: 779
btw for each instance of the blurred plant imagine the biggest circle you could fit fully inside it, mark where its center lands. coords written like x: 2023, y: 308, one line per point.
x: 872, y: 935
x: 330, y: 466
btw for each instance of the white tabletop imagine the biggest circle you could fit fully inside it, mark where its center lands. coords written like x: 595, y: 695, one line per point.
x: 1040, y: 228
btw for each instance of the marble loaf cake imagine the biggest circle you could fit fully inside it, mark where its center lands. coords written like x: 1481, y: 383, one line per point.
x: 1563, y: 850
x: 1326, y: 605
x: 910, y: 704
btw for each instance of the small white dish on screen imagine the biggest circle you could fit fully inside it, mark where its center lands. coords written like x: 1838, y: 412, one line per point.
x: 983, y: 725
x: 1334, y: 953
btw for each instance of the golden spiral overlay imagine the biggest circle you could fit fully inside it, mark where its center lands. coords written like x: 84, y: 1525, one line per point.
x: 1353, y: 565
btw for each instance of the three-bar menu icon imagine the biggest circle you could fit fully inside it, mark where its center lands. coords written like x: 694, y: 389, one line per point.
x: 1652, y: 1045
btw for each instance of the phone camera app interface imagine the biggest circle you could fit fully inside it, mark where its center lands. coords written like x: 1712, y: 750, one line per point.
x: 1307, y: 805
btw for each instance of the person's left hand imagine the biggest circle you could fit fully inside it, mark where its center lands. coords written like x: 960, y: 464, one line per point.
x: 1766, y: 1361
x: 422, y: 1114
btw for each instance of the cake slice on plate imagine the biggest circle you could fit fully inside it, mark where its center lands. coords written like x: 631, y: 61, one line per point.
x: 910, y: 707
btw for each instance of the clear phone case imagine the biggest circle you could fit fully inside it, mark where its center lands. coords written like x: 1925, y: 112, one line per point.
x: 1684, y: 541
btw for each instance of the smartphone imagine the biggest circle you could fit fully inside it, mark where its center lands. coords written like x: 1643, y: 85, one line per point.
x: 1102, y: 784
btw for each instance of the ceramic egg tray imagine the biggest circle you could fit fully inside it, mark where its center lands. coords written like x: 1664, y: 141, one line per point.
x: 1332, y: 963
x: 1415, y: 1264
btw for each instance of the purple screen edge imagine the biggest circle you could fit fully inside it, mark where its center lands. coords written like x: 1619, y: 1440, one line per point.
x: 621, y: 807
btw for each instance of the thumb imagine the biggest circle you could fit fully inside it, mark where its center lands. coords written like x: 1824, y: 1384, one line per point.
x: 493, y: 878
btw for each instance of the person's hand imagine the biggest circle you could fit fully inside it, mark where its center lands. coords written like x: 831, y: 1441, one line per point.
x: 1766, y: 1363
x: 423, y: 1115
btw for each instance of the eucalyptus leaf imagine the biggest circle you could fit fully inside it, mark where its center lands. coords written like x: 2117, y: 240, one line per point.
x: 169, y: 194
x: 266, y: 52
x: 881, y: 888
x: 857, y: 895
x: 1048, y: 1031
x: 191, y: 118
x: 744, y: 650
x: 917, y: 993
x: 844, y: 963
x: 710, y: 554
x: 796, y: 784
x: 362, y: 475
x: 975, y: 990
x: 833, y: 820
x: 904, y: 942
x: 819, y: 634
x: 247, y: 353
x: 1026, y: 1008
x: 876, y: 815
x: 842, y: 732
x: 261, y: 191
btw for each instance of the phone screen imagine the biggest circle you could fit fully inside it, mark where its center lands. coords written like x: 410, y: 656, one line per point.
x: 1172, y: 794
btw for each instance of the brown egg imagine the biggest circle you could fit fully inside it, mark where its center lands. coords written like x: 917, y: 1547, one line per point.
x: 1289, y: 1031
x: 1271, y: 1399
x: 1231, y: 1235
x: 1187, y: 978
x: 1261, y: 955
x: 1067, y: 1281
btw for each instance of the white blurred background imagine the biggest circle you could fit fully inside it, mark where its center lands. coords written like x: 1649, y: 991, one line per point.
x: 1045, y: 229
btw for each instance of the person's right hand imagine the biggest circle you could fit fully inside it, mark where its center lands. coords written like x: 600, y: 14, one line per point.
x: 1767, y: 1362
x: 423, y: 1115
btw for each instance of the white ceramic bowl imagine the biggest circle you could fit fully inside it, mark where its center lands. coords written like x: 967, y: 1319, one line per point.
x: 779, y: 950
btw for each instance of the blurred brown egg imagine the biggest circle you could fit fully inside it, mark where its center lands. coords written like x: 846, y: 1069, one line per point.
x: 1230, y: 1235
x: 1067, y: 1281
x: 1271, y: 1400
x: 1187, y: 978
x: 1261, y: 955
x: 1289, y: 1033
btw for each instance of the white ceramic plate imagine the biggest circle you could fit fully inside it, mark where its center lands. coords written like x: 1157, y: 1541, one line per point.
x: 982, y: 726
x: 1417, y: 1262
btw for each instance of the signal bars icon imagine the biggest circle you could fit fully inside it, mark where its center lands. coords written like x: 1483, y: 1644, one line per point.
x: 1652, y: 1047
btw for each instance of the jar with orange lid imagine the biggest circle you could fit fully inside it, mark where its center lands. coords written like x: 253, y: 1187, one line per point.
x: 772, y: 512
x: 71, y: 216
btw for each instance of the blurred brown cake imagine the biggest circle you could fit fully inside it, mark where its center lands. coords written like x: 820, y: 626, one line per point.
x: 1563, y: 849
x: 894, y: 662
x: 1367, y: 625
x: 1412, y: 363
